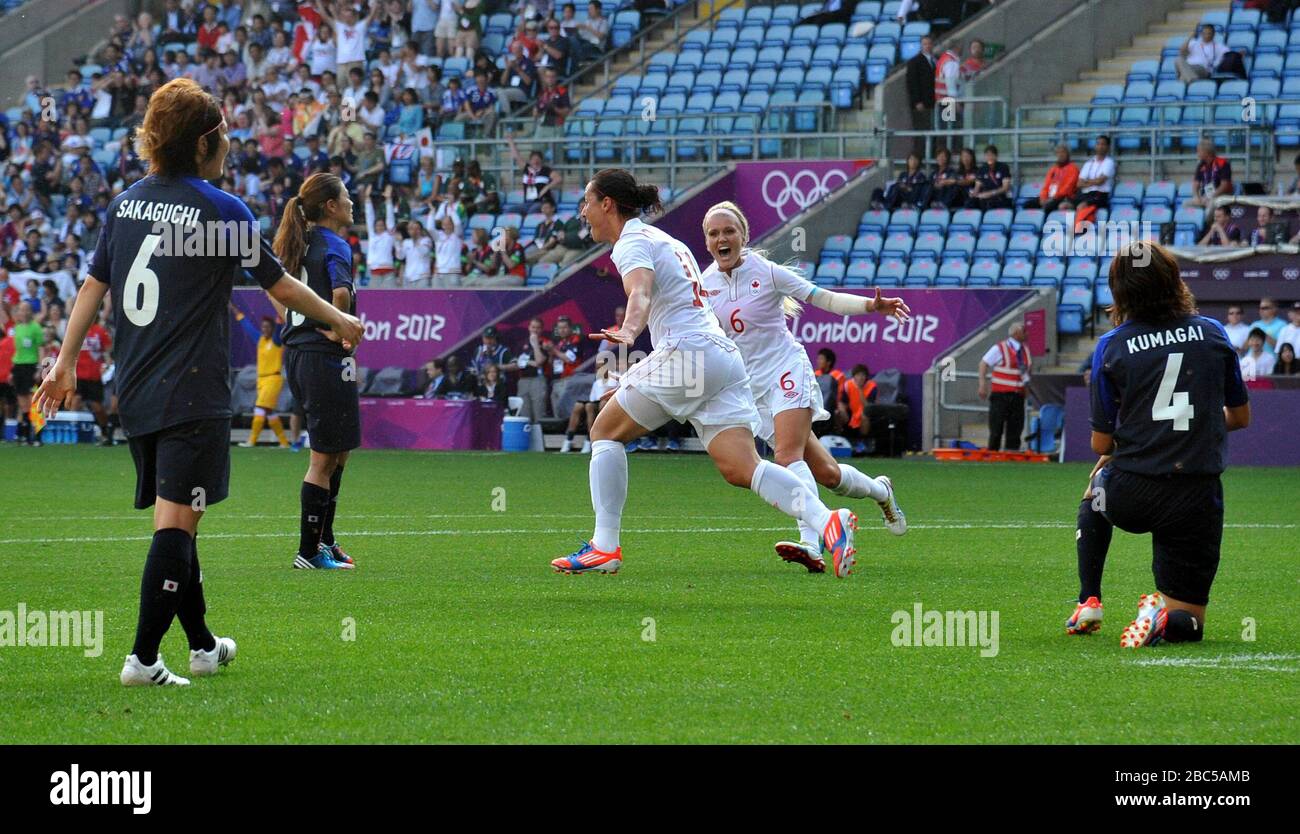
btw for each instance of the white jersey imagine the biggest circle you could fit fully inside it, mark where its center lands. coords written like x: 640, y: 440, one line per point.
x: 749, y: 304
x: 676, y: 307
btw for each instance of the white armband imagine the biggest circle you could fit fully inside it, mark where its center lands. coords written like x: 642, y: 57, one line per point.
x: 840, y: 303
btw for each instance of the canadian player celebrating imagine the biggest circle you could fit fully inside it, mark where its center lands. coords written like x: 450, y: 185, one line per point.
x: 694, y: 373
x: 752, y: 297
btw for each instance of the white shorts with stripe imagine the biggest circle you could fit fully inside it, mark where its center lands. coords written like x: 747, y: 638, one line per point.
x: 784, y: 386
x: 698, y: 378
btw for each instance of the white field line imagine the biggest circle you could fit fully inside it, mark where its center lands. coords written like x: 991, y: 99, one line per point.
x: 1263, y: 661
x: 866, y: 528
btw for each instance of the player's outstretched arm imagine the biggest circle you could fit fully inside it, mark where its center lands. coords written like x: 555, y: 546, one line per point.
x: 847, y: 304
x: 61, y: 381
x: 299, y: 297
x: 636, y: 284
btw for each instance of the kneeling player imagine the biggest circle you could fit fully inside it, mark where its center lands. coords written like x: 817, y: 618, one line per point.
x: 322, y: 372
x: 1166, y: 390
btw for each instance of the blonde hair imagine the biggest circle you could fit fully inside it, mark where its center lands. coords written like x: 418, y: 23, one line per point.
x: 790, y: 306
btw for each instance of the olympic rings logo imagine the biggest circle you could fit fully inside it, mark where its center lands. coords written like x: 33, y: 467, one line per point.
x: 1222, y: 274
x: 803, y: 189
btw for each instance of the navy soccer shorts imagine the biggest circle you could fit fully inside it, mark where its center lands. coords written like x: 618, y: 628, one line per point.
x: 1183, y: 514
x: 185, y: 464
x: 328, y: 396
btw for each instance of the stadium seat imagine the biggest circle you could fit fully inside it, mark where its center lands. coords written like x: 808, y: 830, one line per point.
x: 830, y: 273
x: 898, y: 245
x: 867, y: 245
x: 990, y: 245
x: 1069, y: 319
x: 860, y: 273
x: 921, y: 273
x: 928, y: 244
x: 987, y: 270
x: 891, y: 270
x: 933, y: 220
x: 959, y: 245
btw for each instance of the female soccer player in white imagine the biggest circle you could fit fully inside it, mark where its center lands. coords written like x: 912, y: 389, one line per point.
x: 694, y: 373
x: 751, y: 297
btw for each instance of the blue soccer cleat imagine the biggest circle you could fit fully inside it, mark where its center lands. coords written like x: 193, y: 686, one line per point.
x: 321, y: 561
x: 587, y: 559
x: 336, y: 553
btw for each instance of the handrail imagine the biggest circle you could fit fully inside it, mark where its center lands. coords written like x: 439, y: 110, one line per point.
x: 638, y: 41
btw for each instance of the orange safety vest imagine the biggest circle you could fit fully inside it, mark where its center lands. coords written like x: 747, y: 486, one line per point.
x: 940, y: 88
x: 1008, y: 375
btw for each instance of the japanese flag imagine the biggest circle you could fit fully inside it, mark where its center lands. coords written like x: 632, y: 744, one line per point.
x: 424, y: 139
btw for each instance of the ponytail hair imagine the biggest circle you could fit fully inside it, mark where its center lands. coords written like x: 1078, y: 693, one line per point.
x: 307, y: 206
x: 789, y: 306
x: 631, y: 197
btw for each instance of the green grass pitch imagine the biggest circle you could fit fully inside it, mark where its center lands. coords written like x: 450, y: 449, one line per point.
x: 463, y: 634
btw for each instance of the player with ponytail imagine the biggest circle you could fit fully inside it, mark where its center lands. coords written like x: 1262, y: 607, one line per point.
x: 695, y: 373
x: 322, y: 371
x: 752, y: 297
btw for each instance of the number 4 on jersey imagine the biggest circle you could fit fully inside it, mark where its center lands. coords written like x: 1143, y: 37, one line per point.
x: 1170, y: 404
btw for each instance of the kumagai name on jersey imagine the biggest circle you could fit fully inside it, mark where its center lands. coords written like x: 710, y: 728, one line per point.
x: 171, y: 306
x: 1160, y: 389
x: 326, y: 266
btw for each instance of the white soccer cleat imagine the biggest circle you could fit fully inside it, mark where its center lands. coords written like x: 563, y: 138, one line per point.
x: 204, y: 663
x: 567, y: 447
x: 586, y: 447
x: 808, y: 555
x: 895, y: 520
x: 246, y: 445
x: 135, y: 673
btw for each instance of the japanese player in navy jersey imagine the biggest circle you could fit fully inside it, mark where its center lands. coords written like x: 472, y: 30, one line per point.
x: 171, y: 248
x: 1166, y: 390
x: 322, y: 372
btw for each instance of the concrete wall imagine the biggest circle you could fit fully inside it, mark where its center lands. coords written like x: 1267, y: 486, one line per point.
x: 1048, y: 43
x: 44, y: 37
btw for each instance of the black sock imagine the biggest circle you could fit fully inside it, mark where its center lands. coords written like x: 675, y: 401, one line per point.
x: 166, y: 575
x: 112, y: 425
x: 1092, y: 541
x: 1183, y: 627
x: 568, y: 435
x: 315, y: 503
x: 327, y: 532
x: 193, y: 607
x: 25, y: 427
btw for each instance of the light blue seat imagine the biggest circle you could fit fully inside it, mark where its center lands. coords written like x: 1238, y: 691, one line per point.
x: 873, y: 220
x: 898, y: 245
x: 1028, y: 220
x: 903, y: 220
x: 956, y: 268
x: 933, y: 220
x: 966, y: 220
x: 990, y: 245
x: 959, y: 245
x: 987, y: 269
x: 1022, y: 244
x: 860, y: 273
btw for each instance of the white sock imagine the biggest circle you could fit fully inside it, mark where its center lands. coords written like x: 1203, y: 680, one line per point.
x: 854, y: 484
x: 608, y: 475
x: 782, y: 489
x: 807, y: 533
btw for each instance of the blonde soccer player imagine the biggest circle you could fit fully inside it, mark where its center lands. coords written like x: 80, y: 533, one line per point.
x: 752, y: 297
x: 694, y: 373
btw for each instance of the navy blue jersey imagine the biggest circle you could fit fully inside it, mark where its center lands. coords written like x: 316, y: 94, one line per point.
x: 170, y: 251
x: 1160, y: 389
x: 326, y: 265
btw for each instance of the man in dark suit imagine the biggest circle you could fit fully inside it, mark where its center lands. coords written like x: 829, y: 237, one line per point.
x: 920, y: 91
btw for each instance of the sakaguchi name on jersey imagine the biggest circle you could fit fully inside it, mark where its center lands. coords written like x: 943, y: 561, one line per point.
x: 1174, y: 335
x: 917, y: 329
